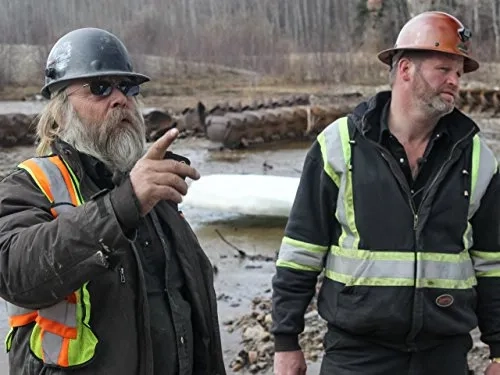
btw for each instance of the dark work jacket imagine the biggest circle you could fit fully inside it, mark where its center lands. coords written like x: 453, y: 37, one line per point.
x: 387, y: 219
x: 42, y: 260
x: 169, y: 311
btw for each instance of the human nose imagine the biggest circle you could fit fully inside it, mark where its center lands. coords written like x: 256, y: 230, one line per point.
x: 118, y: 98
x: 453, y: 79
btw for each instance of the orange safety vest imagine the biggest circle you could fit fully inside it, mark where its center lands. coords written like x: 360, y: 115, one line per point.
x: 61, y: 335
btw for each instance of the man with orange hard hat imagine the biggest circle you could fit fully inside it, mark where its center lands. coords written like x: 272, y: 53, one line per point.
x: 399, y: 207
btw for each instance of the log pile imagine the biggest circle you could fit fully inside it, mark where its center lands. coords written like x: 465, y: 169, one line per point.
x: 485, y: 102
x: 242, y: 129
x: 238, y: 125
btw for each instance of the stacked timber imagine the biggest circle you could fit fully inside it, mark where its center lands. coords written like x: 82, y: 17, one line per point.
x: 240, y: 125
x: 481, y: 101
x: 246, y: 128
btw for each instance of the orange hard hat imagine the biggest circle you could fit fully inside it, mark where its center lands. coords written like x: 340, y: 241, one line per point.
x: 434, y: 31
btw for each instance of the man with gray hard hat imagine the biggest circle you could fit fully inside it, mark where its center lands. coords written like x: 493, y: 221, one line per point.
x: 100, y: 271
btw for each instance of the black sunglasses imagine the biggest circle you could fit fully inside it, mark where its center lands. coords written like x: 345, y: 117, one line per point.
x: 105, y: 88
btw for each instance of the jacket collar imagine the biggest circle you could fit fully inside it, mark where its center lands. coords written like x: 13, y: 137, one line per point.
x: 367, y: 116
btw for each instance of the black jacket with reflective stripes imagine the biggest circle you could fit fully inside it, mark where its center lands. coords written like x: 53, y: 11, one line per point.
x: 403, y: 276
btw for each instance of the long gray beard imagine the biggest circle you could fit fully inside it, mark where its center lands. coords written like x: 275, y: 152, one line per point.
x: 117, y: 144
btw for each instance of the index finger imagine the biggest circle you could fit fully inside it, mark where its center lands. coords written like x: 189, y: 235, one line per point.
x: 159, y: 148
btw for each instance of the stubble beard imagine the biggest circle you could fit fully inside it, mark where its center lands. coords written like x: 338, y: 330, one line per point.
x: 430, y: 99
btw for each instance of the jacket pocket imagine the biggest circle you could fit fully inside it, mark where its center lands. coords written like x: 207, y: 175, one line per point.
x: 372, y: 310
x: 449, y: 312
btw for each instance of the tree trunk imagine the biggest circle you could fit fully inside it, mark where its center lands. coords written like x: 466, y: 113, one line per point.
x: 496, y: 31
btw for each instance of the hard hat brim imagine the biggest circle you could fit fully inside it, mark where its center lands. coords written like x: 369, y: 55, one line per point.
x: 56, y: 86
x: 386, y: 56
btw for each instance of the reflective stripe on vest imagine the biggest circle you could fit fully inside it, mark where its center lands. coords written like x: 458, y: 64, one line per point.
x: 61, y: 335
x: 484, y: 165
x: 391, y: 268
x: 347, y: 264
x: 301, y: 255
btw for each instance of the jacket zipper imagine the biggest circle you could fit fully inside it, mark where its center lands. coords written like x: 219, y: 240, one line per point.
x: 402, y: 180
x: 122, y: 275
x: 450, y: 156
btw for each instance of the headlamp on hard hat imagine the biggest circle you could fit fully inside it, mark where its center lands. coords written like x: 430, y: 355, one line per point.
x: 465, y: 34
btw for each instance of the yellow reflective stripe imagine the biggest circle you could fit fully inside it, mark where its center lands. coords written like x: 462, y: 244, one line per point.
x: 348, y: 280
x: 350, y: 236
x: 296, y: 266
x: 301, y: 255
x: 85, y: 298
x: 486, y: 263
x: 304, y: 245
x: 447, y: 283
x: 495, y: 273
x: 484, y: 165
x: 74, y: 183
x: 393, y: 268
x: 82, y: 350
x: 336, y: 151
x: 463, y: 256
x: 467, y: 238
x: 8, y: 339
x: 372, y: 255
x: 398, y: 255
x: 326, y: 166
x: 476, y: 157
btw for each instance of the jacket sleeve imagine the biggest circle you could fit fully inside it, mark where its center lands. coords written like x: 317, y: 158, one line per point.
x: 308, y: 235
x: 42, y: 259
x: 486, y: 256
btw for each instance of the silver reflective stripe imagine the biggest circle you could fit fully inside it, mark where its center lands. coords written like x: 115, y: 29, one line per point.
x: 337, y: 149
x: 57, y: 184
x: 13, y: 310
x: 51, y: 345
x: 63, y: 312
x: 483, y: 168
x: 486, y: 263
x: 392, y: 268
x: 301, y: 255
x: 334, y: 151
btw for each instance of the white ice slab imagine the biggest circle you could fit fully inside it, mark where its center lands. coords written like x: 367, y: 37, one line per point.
x: 248, y: 194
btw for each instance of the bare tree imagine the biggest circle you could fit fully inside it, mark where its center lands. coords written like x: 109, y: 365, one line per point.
x: 496, y: 31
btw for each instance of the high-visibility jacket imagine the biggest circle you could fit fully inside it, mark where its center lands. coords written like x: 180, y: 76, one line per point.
x: 348, y: 264
x: 61, y: 335
x: 397, y: 274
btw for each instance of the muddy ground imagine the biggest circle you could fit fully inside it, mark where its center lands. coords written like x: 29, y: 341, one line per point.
x: 242, y: 284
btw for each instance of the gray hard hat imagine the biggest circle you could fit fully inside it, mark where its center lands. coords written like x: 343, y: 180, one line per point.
x: 87, y: 53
